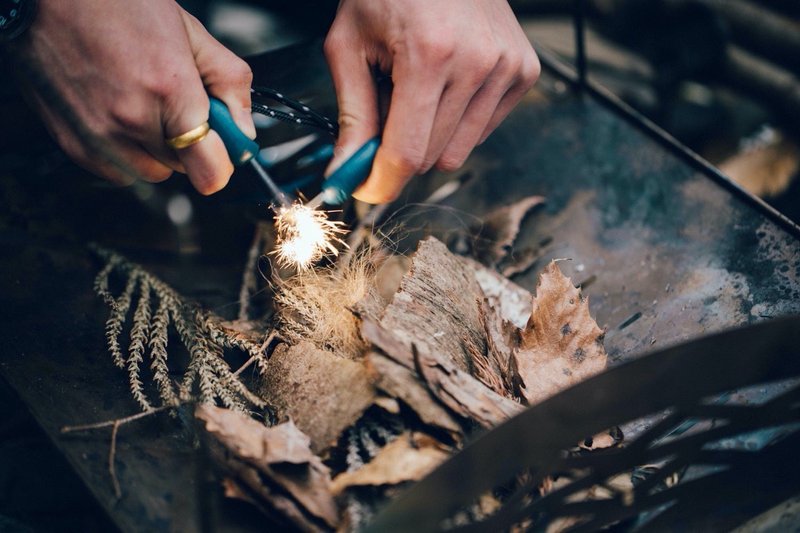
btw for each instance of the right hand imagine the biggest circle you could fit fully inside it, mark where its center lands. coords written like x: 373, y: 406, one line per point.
x: 132, y: 74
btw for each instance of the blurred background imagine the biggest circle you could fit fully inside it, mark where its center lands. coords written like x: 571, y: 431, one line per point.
x: 718, y: 75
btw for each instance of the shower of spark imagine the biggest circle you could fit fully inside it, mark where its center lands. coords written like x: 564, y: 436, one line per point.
x: 305, y: 235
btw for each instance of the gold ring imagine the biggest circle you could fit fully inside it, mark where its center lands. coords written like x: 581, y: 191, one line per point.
x: 193, y: 136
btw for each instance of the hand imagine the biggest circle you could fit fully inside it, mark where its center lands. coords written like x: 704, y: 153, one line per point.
x: 115, y: 78
x: 458, y: 68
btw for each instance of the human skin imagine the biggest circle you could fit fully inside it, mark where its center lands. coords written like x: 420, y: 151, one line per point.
x: 133, y: 74
x: 458, y: 67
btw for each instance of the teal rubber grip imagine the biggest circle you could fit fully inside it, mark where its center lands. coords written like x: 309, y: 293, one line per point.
x: 241, y: 148
x: 341, y: 184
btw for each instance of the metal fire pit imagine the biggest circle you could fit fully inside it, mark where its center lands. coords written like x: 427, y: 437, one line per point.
x: 666, y: 249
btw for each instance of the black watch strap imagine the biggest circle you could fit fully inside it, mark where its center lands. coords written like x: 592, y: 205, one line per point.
x: 16, y: 16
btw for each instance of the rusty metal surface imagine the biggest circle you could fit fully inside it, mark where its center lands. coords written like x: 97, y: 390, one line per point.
x: 664, y: 253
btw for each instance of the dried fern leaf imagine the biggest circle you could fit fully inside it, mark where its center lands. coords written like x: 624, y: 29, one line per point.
x: 200, y: 332
x: 101, y: 282
x: 159, y: 336
x: 116, y: 320
x: 139, y: 340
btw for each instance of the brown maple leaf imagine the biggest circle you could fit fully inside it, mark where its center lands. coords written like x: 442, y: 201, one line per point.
x: 561, y: 344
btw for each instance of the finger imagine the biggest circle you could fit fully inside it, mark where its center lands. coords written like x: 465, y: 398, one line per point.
x: 118, y: 161
x: 472, y: 125
x: 454, y: 103
x: 206, y: 162
x: 356, y: 95
x: 143, y: 163
x: 165, y: 155
x: 406, y: 136
x: 526, y: 79
x: 185, y: 106
x: 224, y: 74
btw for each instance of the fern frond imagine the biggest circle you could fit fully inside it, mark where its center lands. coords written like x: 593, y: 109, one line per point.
x: 116, y: 319
x: 139, y: 339
x: 101, y: 282
x: 208, y: 377
x: 159, y: 336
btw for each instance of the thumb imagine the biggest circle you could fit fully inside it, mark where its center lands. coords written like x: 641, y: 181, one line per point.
x: 225, y: 75
x: 356, y: 95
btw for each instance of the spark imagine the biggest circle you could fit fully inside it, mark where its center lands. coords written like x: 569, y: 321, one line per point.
x: 305, y: 235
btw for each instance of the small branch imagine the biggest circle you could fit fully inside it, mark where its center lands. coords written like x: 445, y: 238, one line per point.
x: 118, y: 421
x: 112, y: 453
x: 254, y: 358
x: 115, y: 425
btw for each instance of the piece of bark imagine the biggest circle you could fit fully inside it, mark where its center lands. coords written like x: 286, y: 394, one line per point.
x: 281, y: 454
x: 253, y: 441
x: 496, y: 234
x: 322, y: 393
x: 410, y: 457
x: 464, y: 394
x: 436, y: 306
x: 270, y: 501
x: 401, y: 382
x: 502, y: 338
x: 511, y: 301
x: 505, y: 309
x: 458, y: 390
x: 561, y: 344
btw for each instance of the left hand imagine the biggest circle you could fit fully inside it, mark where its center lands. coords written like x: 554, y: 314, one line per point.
x: 458, y: 68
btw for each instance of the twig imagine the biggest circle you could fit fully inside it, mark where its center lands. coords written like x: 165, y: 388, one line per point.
x: 112, y: 453
x: 115, y: 425
x: 120, y: 421
x: 254, y: 358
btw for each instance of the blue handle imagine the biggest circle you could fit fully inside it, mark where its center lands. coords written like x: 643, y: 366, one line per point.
x: 241, y: 148
x: 341, y: 184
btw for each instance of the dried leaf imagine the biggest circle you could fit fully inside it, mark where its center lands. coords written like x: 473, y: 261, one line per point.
x: 281, y: 454
x: 233, y: 490
x: 606, y: 439
x: 321, y: 392
x: 253, y: 441
x: 496, y: 235
x: 561, y: 344
x: 270, y: 500
x: 409, y: 457
x: 390, y: 405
